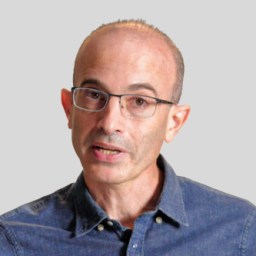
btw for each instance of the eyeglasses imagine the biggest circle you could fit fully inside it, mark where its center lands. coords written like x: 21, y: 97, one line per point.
x: 131, y: 105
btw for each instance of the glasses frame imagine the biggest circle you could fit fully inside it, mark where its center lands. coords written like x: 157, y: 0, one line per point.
x: 108, y: 95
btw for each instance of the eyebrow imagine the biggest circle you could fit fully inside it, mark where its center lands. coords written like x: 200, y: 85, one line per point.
x: 139, y: 86
x: 92, y: 81
x: 131, y: 88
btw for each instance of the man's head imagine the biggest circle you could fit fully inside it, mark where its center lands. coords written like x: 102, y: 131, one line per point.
x: 145, y: 30
x: 127, y: 57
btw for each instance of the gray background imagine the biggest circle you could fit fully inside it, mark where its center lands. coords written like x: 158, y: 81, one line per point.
x: 39, y: 40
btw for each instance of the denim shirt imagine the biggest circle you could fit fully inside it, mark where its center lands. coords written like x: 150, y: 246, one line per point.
x: 190, y: 219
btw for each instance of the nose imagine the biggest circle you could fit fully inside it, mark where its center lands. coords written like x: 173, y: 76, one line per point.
x: 110, y: 119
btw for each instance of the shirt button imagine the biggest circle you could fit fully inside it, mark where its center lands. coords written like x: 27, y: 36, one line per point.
x: 134, y: 246
x: 159, y: 220
x: 110, y: 223
x: 100, y: 227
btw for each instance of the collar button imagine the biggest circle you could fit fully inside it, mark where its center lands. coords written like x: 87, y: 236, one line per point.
x: 110, y: 223
x: 159, y: 220
x: 100, y: 227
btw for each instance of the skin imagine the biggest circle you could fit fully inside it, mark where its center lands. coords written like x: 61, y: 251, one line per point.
x: 124, y: 61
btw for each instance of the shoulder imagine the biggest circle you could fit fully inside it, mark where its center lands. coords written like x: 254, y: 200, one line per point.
x: 39, y: 208
x: 225, y: 214
x: 195, y: 193
x: 49, y: 211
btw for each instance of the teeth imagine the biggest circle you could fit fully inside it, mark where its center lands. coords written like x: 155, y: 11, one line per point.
x: 108, y: 152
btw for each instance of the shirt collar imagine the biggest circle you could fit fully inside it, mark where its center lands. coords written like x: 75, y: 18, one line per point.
x: 88, y: 214
x: 171, y: 201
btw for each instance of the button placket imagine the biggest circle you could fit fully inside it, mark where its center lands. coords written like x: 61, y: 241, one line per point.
x: 136, y: 243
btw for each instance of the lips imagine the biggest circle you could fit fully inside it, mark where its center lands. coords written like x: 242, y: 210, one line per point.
x: 107, y: 151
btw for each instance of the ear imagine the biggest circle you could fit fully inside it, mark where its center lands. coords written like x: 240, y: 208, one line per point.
x: 176, y: 119
x: 67, y: 103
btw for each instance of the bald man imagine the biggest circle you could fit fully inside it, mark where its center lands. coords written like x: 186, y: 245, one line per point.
x: 123, y: 105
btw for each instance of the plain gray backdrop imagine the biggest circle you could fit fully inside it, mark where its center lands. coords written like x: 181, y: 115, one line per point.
x: 39, y: 40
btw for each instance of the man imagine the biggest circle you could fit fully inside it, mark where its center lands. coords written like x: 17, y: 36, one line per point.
x: 128, y: 200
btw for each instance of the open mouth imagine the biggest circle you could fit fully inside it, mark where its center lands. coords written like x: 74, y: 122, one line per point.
x: 107, y: 151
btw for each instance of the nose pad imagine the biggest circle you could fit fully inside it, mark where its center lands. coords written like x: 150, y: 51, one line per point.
x: 122, y: 106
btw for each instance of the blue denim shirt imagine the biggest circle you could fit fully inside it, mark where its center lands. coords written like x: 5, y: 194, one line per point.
x: 190, y: 219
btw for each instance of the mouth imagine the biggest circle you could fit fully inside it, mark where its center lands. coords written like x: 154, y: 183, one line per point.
x: 106, y: 151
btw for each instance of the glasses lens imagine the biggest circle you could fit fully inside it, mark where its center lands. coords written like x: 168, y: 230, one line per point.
x: 90, y: 99
x: 138, y: 106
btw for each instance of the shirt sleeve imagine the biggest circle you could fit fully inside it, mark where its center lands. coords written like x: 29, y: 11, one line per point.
x: 7, y: 245
x: 248, y: 241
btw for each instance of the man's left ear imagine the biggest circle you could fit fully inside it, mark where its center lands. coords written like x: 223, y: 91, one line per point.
x: 177, y: 117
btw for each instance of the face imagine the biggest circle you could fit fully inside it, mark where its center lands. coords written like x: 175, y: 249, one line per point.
x: 114, y: 149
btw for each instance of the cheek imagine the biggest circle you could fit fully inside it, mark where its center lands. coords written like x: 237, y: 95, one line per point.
x: 158, y: 129
x: 150, y: 136
x: 81, y: 127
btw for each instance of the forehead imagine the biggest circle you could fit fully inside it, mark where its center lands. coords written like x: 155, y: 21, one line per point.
x: 125, y: 56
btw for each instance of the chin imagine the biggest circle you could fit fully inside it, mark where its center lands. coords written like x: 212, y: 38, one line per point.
x: 104, y: 174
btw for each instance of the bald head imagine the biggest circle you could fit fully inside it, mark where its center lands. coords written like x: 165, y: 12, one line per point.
x: 143, y: 34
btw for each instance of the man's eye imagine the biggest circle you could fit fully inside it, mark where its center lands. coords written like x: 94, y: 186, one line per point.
x: 139, y: 101
x: 93, y: 95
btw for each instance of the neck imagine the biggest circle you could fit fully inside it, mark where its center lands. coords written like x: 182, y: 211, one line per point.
x: 125, y: 202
